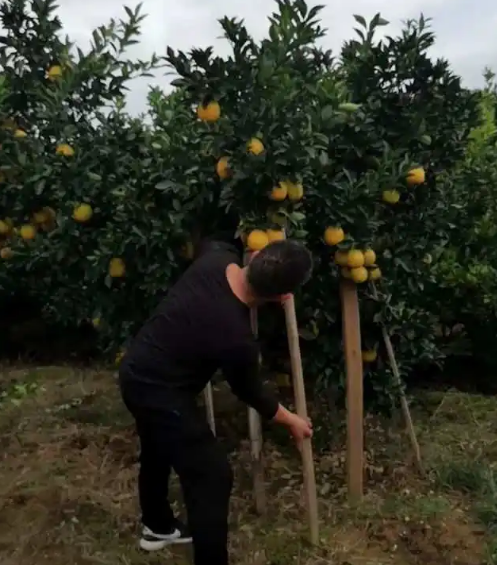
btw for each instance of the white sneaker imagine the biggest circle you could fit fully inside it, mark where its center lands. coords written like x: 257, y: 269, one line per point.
x: 150, y: 541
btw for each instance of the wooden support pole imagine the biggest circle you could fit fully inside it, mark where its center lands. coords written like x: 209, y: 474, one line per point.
x: 301, y: 407
x: 355, y: 399
x: 255, y: 434
x: 209, y: 406
x: 411, y: 432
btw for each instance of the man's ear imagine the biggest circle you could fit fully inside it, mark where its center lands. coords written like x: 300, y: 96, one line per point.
x: 253, y: 254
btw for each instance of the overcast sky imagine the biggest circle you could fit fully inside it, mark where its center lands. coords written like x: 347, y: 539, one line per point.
x: 466, y: 29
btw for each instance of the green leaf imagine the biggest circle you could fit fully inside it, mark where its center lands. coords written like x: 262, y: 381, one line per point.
x: 327, y: 112
x: 324, y: 160
x: 165, y: 185
x: 360, y: 20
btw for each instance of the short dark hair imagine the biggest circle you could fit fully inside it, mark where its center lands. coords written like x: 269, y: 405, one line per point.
x: 280, y: 268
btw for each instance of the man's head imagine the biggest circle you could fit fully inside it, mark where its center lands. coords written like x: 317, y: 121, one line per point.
x: 279, y: 269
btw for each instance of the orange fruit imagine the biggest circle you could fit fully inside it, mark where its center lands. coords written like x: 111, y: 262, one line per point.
x: 375, y: 274
x: 416, y: 176
x: 295, y: 191
x: 210, y: 112
x: 255, y: 146
x: 355, y: 258
x: 6, y: 253
x: 391, y: 196
x: 369, y: 257
x: 334, y: 236
x: 222, y: 168
x: 257, y: 240
x: 82, y: 213
x: 64, y: 149
x: 27, y: 232
x: 359, y: 274
x: 279, y: 193
x: 117, y: 268
x: 54, y: 72
x: 369, y: 356
x: 341, y: 258
x: 275, y: 235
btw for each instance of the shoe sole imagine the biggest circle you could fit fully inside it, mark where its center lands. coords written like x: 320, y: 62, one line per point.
x: 147, y: 545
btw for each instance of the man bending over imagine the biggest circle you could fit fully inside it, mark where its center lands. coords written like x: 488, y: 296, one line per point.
x: 201, y: 326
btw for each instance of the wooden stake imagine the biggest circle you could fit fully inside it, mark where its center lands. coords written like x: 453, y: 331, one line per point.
x: 411, y: 432
x: 255, y: 435
x: 355, y: 395
x: 301, y: 407
x: 209, y: 406
x: 256, y: 440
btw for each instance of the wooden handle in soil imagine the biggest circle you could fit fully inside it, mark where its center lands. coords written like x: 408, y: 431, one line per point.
x: 301, y: 406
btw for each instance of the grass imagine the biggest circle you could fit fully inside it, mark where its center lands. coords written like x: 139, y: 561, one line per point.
x: 68, y: 479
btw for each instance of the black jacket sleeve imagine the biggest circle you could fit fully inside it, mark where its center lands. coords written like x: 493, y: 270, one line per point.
x: 241, y: 369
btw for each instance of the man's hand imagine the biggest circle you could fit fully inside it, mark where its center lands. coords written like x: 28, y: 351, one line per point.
x: 300, y: 428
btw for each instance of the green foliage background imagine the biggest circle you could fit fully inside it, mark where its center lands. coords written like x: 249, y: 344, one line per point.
x: 152, y: 183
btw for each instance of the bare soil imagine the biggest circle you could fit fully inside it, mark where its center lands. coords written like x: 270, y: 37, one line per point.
x: 68, y: 482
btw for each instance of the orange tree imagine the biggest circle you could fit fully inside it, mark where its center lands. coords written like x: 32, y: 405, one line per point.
x: 466, y: 269
x: 100, y: 211
x: 342, y: 153
x: 75, y: 169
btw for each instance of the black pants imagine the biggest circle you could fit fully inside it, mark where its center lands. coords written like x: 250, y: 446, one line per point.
x: 179, y: 437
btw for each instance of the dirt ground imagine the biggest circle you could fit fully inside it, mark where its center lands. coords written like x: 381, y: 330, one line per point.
x: 69, y: 463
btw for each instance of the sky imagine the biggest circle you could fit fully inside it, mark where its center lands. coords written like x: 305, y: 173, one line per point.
x: 465, y: 29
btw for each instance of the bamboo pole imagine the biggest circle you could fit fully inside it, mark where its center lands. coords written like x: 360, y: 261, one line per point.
x: 406, y: 412
x: 209, y: 406
x: 355, y: 394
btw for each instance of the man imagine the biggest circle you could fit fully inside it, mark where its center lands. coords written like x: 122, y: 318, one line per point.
x: 201, y: 326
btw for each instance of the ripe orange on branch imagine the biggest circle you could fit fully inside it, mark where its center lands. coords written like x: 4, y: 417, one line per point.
x: 369, y: 257
x: 359, y: 274
x: 369, y: 356
x: 222, y: 168
x: 416, y: 176
x: 391, y: 196
x: 82, y: 213
x: 375, y: 274
x: 6, y: 253
x: 27, y: 232
x: 257, y: 240
x: 355, y: 258
x: 210, y: 112
x: 275, y: 235
x: 255, y: 146
x: 64, y: 149
x: 54, y: 72
x: 334, y: 236
x: 341, y: 258
x: 295, y: 191
x: 4, y: 227
x: 117, y: 268
x: 279, y: 193
x: 45, y: 218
